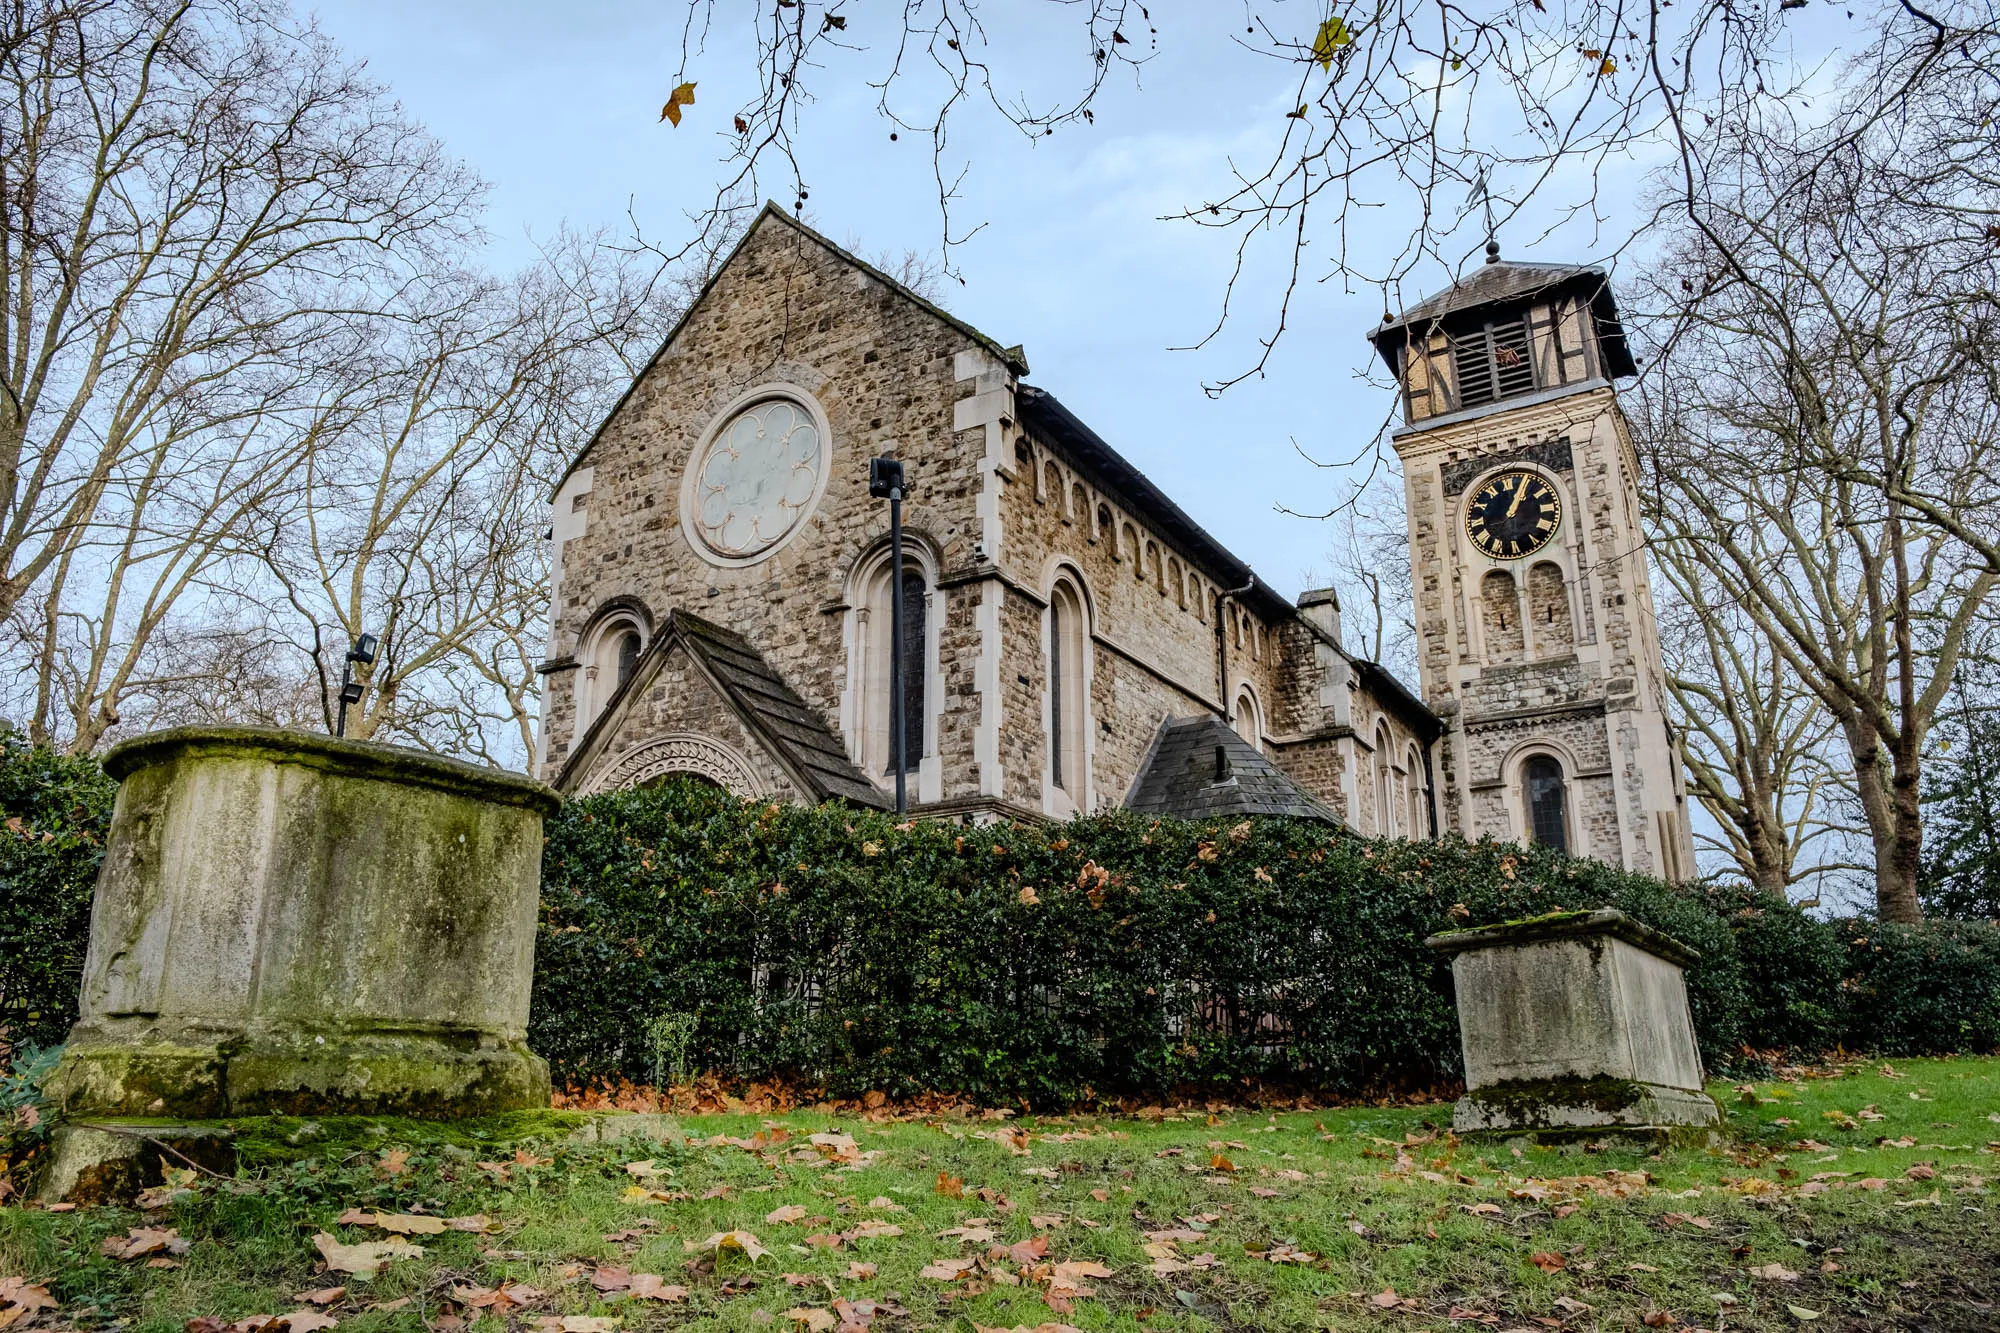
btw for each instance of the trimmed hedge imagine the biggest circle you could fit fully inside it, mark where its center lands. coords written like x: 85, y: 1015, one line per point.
x: 53, y: 814
x: 1111, y: 955
x: 1929, y: 987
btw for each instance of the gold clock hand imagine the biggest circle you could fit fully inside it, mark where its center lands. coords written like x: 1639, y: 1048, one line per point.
x: 1520, y: 489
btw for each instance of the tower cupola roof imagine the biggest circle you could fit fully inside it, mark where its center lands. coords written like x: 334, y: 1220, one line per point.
x: 1506, y: 282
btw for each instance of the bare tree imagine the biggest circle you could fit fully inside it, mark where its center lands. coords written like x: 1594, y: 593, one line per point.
x: 1386, y: 100
x: 196, y: 197
x: 420, y: 511
x: 1822, y: 416
x: 1761, y: 752
x: 1371, y: 560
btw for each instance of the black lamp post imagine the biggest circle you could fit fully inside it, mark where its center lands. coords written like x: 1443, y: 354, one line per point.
x: 351, y: 689
x: 885, y: 482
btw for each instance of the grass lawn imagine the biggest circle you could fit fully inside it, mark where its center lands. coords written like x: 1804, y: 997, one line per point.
x: 1859, y: 1197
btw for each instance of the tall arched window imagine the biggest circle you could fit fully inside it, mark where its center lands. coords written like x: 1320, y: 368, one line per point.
x: 1249, y: 717
x: 870, y: 683
x: 1419, y: 825
x: 1385, y: 786
x: 1068, y: 686
x: 609, y: 653
x: 1546, y: 799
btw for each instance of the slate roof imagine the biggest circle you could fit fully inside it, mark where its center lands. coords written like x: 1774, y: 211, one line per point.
x: 1508, y: 282
x: 1179, y: 777
x: 797, y: 735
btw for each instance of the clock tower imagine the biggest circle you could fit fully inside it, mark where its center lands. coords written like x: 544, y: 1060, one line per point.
x: 1536, y: 638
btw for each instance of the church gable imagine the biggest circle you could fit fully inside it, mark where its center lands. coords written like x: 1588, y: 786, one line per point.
x: 701, y: 700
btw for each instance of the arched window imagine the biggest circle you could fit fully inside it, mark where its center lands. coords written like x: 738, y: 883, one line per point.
x: 610, y: 652
x: 870, y: 682
x: 1385, y: 786
x: 1548, y: 610
x: 1249, y: 717
x: 1419, y: 825
x: 1068, y: 687
x: 1501, y: 605
x: 1546, y: 798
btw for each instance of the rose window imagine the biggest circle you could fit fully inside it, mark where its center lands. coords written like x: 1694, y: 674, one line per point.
x: 757, y: 480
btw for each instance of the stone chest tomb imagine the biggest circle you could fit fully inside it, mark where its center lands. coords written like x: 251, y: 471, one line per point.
x: 1575, y: 1023
x: 292, y: 924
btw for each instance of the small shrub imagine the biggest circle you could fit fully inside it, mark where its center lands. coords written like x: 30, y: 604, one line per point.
x: 1791, y: 966
x: 24, y: 1125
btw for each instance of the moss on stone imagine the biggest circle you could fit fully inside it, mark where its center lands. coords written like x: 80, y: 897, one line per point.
x: 1531, y: 1103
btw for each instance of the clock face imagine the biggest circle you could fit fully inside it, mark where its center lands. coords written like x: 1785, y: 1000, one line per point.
x: 1513, y: 514
x: 757, y: 480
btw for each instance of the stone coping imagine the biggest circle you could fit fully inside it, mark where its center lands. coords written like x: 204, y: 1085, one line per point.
x: 346, y: 758
x: 1567, y: 925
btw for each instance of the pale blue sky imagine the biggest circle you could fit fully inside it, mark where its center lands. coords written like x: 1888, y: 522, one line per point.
x: 559, y: 107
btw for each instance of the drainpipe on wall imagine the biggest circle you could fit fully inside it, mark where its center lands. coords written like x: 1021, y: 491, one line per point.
x: 1431, y: 790
x: 1222, y: 650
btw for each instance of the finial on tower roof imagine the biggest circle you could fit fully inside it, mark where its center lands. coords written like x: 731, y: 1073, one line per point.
x: 1482, y: 186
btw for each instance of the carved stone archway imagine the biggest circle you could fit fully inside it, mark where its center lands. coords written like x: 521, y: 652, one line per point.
x: 681, y: 752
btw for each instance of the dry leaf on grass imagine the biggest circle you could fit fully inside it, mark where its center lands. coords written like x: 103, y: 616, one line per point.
x: 791, y: 1212
x: 401, y: 1224
x: 20, y: 1298
x: 299, y: 1321
x: 948, y: 1270
x: 507, y: 1296
x: 974, y: 1230
x: 652, y: 1287
x: 324, y: 1296
x: 576, y: 1323
x: 1548, y: 1262
x: 860, y: 1272
x: 141, y: 1241
x: 815, y: 1321
x: 722, y: 1242
x: 364, y: 1260
x: 871, y: 1228
x: 1774, y: 1273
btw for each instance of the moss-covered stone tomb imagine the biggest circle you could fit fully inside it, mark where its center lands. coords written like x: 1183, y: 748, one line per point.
x: 1575, y: 1024
x: 287, y: 923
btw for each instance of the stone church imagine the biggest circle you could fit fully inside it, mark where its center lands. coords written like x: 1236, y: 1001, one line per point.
x: 1074, y: 641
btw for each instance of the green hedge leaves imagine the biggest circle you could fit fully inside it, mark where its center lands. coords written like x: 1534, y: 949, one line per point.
x: 1111, y: 955
x: 53, y: 814
x: 1108, y: 956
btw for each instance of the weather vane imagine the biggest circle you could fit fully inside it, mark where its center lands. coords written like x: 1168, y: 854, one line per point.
x: 1482, y: 189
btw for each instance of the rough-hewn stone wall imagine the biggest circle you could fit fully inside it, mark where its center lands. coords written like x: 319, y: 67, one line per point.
x: 994, y: 513
x: 787, y: 310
